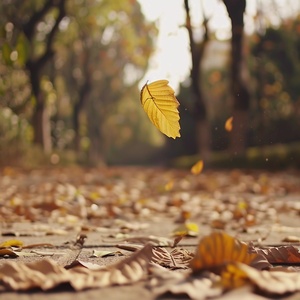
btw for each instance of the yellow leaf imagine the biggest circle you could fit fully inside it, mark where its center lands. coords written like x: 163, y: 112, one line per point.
x: 11, y: 243
x: 160, y: 104
x: 228, y: 124
x: 233, y: 277
x: 218, y: 249
x: 187, y: 229
x: 197, y: 167
x: 169, y: 186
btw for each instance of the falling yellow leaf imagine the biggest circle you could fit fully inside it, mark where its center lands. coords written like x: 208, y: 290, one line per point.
x: 228, y: 124
x: 218, y: 249
x: 169, y: 186
x: 160, y: 104
x: 197, y: 167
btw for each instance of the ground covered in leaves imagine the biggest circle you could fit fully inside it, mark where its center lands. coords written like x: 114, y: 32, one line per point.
x: 136, y: 232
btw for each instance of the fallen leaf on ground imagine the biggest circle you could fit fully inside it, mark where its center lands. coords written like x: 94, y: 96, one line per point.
x: 47, y: 274
x: 279, y: 255
x: 103, y: 253
x: 187, y: 229
x: 291, y: 239
x: 8, y: 253
x: 11, y: 243
x: 72, y: 254
x: 218, y: 249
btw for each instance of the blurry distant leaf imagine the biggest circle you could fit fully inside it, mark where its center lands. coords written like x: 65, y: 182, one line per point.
x: 197, y: 167
x: 220, y: 248
x: 11, y: 243
x: 291, y: 239
x: 8, y: 253
x: 228, y: 124
x: 155, y: 240
x: 279, y: 255
x: 102, y: 253
x: 169, y: 186
x: 39, y: 245
x: 6, y: 51
x: 187, y: 229
x: 26, y: 254
x: 160, y: 104
x: 129, y: 246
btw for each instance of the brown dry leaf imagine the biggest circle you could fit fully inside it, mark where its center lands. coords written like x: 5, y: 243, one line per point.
x: 8, y: 253
x: 176, y: 259
x: 103, y: 253
x: 129, y: 270
x: 279, y: 255
x: 43, y: 274
x: 70, y: 257
x: 47, y: 274
x: 218, y: 249
x: 228, y: 124
x: 201, y: 287
x: 197, y: 167
x: 273, y: 281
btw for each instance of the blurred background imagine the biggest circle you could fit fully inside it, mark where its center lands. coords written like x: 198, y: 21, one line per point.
x: 71, y: 73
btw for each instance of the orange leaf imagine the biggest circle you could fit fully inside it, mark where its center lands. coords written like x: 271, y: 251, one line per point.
x: 218, y: 249
x: 228, y: 124
x: 197, y: 167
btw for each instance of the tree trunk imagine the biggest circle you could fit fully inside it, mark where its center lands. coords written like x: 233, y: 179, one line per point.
x: 40, y: 118
x: 42, y: 128
x: 239, y: 90
x: 203, y: 132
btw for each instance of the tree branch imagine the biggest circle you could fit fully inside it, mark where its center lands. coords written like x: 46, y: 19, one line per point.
x: 49, y: 51
x: 29, y: 27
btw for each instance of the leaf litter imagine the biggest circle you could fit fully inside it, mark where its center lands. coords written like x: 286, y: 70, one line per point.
x: 109, y: 203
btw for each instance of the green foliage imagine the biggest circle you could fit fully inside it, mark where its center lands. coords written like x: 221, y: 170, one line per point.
x: 276, y: 65
x: 101, y: 51
x: 15, y: 135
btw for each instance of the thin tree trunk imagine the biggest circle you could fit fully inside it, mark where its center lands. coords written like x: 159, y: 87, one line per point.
x: 203, y: 132
x: 239, y: 90
x: 40, y: 118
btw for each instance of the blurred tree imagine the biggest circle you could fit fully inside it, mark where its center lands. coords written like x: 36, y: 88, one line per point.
x: 110, y: 45
x: 239, y: 89
x: 199, y: 109
x: 276, y: 67
x: 30, y: 29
